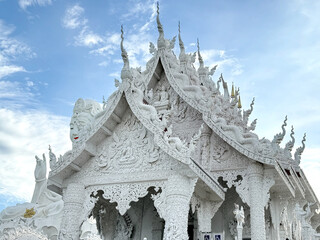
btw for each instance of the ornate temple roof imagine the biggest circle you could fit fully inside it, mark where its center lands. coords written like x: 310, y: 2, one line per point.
x: 221, y: 111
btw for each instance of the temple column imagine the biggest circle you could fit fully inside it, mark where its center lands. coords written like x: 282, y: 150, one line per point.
x: 257, y: 218
x: 73, y: 206
x: 179, y: 190
x: 206, y: 209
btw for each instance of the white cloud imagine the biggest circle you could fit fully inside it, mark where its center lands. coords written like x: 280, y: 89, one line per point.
x: 103, y: 64
x: 73, y: 17
x: 5, y: 30
x: 136, y: 44
x: 14, y: 95
x: 30, y: 84
x: 10, y: 69
x: 111, y: 44
x: 115, y: 74
x: 226, y: 63
x: 139, y: 8
x: 24, y: 4
x: 24, y: 135
x: 11, y: 50
x: 311, y: 167
x: 88, y: 38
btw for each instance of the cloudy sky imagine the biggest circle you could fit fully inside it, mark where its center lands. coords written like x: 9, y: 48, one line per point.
x: 52, y: 52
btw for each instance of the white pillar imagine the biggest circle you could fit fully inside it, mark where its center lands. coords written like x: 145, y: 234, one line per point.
x: 239, y: 232
x: 178, y: 194
x: 256, y: 193
x: 73, y: 206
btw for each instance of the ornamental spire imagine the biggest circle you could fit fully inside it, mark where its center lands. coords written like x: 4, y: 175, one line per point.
x: 182, y: 55
x: 124, y: 53
x: 232, y: 91
x: 290, y: 144
x: 126, y: 67
x: 247, y: 113
x: 199, y: 55
x: 182, y: 50
x: 279, y: 137
x: 299, y: 151
x: 161, y: 41
x: 239, y: 102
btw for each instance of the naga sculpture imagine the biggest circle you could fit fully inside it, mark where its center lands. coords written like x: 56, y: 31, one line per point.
x: 299, y: 150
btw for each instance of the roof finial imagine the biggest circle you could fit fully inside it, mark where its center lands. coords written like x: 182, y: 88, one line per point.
x: 239, y: 101
x: 232, y: 91
x: 182, y: 55
x: 290, y: 144
x: 182, y: 50
x: 279, y: 137
x: 157, y: 8
x: 124, y: 53
x: 161, y: 42
x: 299, y: 151
x: 126, y: 67
x: 246, y: 113
x: 199, y: 55
x: 251, y: 106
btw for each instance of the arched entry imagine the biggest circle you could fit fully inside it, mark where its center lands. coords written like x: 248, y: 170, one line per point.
x: 140, y: 221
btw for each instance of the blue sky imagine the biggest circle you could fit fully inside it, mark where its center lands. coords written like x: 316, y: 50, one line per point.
x: 52, y: 52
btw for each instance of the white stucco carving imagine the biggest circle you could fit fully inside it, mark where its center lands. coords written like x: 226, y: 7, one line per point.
x: 205, y: 210
x: 173, y: 133
x: 239, y: 216
x: 46, y: 207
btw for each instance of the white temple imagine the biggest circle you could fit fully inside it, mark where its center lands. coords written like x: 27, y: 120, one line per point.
x: 170, y: 155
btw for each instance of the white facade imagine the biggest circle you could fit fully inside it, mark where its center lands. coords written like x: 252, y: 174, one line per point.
x: 169, y: 156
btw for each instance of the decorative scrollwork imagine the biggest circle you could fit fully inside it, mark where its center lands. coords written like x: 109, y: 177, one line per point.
x: 124, y: 194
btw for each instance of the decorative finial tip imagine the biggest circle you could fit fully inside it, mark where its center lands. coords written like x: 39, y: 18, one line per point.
x: 121, y: 31
x: 158, y: 8
x: 232, y: 91
x: 239, y: 102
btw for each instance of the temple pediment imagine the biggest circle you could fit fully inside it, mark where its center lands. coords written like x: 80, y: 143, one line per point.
x: 177, y: 105
x: 170, y: 155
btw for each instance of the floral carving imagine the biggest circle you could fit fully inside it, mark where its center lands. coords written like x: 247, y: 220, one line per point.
x: 124, y: 194
x: 23, y: 232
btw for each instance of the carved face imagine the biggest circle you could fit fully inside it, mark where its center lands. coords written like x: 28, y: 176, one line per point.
x: 82, y: 118
x: 74, y: 132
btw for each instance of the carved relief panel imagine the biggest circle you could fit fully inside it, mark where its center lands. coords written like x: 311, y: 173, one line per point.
x: 223, y: 156
x: 130, y: 149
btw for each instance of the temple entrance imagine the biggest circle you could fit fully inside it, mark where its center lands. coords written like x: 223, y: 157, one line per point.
x: 141, y: 221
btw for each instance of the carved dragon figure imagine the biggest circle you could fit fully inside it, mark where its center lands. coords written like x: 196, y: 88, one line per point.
x: 247, y: 113
x: 299, y: 151
x: 279, y: 137
x: 290, y: 144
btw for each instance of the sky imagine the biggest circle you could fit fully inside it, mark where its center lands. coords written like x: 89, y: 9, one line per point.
x: 53, y: 52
